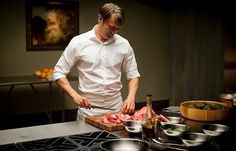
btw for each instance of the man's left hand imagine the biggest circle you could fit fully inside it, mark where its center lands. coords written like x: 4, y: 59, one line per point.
x: 128, y: 106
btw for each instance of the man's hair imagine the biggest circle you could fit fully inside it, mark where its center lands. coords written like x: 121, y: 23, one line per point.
x: 109, y: 9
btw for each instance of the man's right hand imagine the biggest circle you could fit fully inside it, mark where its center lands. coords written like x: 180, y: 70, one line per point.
x: 82, y: 101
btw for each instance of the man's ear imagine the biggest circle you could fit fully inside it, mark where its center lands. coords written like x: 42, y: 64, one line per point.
x: 99, y: 19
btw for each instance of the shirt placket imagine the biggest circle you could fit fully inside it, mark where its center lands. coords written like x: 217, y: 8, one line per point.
x: 104, y: 73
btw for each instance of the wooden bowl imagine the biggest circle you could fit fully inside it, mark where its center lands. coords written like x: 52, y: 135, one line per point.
x: 197, y: 114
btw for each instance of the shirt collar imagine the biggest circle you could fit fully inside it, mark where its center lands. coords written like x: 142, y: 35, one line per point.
x: 92, y: 36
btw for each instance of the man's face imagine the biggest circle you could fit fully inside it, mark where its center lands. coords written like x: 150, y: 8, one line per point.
x: 109, y: 27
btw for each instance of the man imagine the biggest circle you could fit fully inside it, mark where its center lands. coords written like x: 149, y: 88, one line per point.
x: 100, y: 56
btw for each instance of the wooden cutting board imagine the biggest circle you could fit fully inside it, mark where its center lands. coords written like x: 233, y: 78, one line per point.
x: 96, y: 120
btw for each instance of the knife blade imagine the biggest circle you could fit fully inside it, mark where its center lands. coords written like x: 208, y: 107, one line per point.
x: 99, y: 107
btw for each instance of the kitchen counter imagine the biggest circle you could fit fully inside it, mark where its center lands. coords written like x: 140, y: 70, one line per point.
x: 67, y: 129
x: 45, y: 131
x: 75, y: 135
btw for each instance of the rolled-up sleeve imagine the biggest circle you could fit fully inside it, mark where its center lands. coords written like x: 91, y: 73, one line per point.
x: 57, y: 75
x: 65, y: 62
x: 130, y: 65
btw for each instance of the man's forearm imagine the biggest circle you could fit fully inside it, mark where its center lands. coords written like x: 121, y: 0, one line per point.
x: 80, y: 101
x: 133, y: 88
x: 65, y: 85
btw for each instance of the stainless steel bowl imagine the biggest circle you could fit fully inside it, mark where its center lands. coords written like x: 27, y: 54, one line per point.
x: 133, y: 126
x: 194, y: 138
x: 174, y: 129
x: 173, y: 120
x: 215, y: 129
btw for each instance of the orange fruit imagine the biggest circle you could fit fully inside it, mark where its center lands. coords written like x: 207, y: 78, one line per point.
x: 48, y: 73
x: 46, y: 70
x: 50, y: 70
x: 38, y: 73
x: 43, y: 75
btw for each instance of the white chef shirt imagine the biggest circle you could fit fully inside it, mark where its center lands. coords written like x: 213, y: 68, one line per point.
x: 99, y: 67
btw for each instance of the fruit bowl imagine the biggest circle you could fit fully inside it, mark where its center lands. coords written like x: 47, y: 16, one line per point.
x: 46, y: 73
x: 204, y: 110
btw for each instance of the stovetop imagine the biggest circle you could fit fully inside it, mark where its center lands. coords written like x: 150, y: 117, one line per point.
x: 79, y: 142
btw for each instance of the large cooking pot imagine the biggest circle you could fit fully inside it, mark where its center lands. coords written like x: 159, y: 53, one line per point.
x: 125, y: 144
x: 132, y: 144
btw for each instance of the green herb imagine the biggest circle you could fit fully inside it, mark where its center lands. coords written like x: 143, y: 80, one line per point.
x: 206, y: 106
x: 173, y: 129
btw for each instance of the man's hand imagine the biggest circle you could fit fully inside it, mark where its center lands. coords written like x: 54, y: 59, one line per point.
x: 79, y: 100
x: 128, y: 106
x: 82, y: 101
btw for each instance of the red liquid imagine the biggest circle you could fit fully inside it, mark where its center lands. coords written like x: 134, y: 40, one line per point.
x: 148, y: 132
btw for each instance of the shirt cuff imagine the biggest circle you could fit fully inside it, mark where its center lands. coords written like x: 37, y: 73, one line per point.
x: 57, y: 75
x: 133, y: 74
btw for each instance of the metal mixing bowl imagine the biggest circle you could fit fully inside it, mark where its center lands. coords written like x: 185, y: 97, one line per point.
x: 194, y: 138
x: 215, y: 129
x: 133, y: 126
x: 173, y: 120
x: 174, y: 129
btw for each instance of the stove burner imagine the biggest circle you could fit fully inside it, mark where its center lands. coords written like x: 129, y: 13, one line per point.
x: 91, y: 140
x: 60, y: 143
x: 10, y: 147
x: 80, y: 142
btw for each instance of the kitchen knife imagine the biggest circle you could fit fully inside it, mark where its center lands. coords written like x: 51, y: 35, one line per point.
x: 99, y: 107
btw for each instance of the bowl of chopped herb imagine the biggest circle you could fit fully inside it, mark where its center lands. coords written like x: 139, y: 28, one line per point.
x: 174, y: 129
